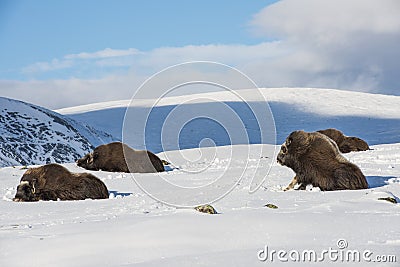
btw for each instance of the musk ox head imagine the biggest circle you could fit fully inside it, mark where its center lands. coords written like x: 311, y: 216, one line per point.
x: 294, y: 146
x: 353, y: 144
x: 88, y: 161
x: 25, y: 191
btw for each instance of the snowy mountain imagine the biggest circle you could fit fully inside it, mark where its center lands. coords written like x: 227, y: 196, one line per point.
x: 31, y: 134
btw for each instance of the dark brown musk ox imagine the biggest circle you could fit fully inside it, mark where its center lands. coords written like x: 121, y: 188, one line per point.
x: 53, y: 182
x: 345, y: 143
x: 111, y: 157
x: 316, y: 160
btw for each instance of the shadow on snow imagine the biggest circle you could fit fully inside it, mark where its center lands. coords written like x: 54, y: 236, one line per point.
x: 287, y: 119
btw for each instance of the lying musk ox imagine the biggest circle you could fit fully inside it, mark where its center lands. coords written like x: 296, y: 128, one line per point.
x: 111, y: 157
x: 53, y: 182
x: 316, y: 160
x: 345, y: 143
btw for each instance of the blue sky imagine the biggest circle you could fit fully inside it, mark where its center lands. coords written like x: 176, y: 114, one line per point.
x: 34, y: 31
x: 53, y: 51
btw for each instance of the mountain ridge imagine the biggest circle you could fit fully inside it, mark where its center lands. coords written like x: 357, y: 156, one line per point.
x: 30, y: 134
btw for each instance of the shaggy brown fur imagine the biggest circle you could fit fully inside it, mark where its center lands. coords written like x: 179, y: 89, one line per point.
x: 53, y: 181
x: 111, y: 157
x: 345, y: 143
x: 316, y: 160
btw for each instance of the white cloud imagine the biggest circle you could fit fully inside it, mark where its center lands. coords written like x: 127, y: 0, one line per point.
x: 106, y: 53
x: 106, y: 57
x: 55, y: 94
x: 55, y: 64
x: 328, y: 21
x: 236, y: 55
x: 337, y: 43
x: 161, y: 57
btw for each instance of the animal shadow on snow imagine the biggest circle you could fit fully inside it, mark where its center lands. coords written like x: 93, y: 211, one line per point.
x: 119, y: 194
x: 289, y: 118
x: 168, y: 168
x: 378, y: 181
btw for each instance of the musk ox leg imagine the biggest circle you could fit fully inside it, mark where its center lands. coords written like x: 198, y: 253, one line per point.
x: 47, y: 195
x: 301, y: 187
x: 292, y: 184
x: 345, y: 148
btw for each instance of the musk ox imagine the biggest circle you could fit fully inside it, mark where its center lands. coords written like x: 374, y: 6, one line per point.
x: 345, y: 143
x: 53, y: 182
x: 118, y: 157
x: 316, y: 160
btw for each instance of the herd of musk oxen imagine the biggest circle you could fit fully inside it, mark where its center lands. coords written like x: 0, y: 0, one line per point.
x: 315, y: 157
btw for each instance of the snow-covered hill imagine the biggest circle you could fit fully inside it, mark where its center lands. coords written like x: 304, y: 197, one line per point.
x: 31, y: 134
x: 372, y: 117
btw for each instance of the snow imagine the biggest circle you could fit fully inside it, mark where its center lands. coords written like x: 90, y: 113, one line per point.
x: 34, y: 135
x: 133, y: 229
x: 372, y: 117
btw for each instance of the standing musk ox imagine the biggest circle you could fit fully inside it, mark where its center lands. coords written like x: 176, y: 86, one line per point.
x: 53, y: 182
x: 345, y: 143
x: 118, y: 157
x: 316, y: 160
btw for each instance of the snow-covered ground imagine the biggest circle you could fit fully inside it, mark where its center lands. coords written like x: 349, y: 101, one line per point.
x: 133, y: 229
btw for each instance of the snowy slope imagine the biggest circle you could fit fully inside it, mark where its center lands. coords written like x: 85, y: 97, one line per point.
x: 133, y: 229
x: 373, y: 117
x: 34, y: 135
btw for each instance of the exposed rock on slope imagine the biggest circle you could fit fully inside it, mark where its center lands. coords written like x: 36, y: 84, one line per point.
x: 31, y: 134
